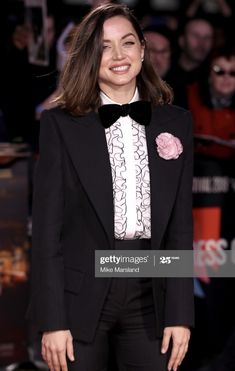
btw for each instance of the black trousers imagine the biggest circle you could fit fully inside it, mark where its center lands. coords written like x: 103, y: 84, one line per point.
x: 126, y: 327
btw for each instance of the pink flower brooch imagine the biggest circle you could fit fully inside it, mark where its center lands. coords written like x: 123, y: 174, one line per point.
x: 168, y: 146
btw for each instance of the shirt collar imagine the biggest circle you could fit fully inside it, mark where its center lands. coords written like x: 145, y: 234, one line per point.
x: 106, y: 100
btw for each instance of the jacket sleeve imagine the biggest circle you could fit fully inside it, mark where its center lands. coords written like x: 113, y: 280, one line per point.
x: 179, y: 304
x: 47, y: 308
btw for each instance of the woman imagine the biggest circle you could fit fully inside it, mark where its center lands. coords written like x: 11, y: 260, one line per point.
x: 212, y: 103
x: 84, y: 200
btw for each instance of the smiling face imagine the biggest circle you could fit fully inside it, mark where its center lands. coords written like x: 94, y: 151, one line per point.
x: 121, y: 59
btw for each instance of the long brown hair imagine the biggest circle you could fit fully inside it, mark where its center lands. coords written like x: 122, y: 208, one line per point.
x: 80, y: 92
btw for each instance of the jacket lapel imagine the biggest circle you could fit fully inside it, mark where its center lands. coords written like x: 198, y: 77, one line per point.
x: 164, y: 178
x: 86, y: 143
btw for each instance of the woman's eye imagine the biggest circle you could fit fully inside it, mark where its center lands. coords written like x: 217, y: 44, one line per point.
x: 105, y: 47
x: 129, y: 43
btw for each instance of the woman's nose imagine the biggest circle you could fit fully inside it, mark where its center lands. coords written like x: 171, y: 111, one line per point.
x: 117, y: 52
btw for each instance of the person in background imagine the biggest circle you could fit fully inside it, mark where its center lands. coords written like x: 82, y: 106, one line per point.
x: 195, y: 43
x: 159, y: 44
x: 212, y: 103
x: 114, y: 172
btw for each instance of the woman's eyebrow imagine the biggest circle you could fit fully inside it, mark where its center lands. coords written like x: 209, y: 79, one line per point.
x: 123, y: 37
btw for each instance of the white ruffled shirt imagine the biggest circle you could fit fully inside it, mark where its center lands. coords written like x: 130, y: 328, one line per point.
x: 127, y: 147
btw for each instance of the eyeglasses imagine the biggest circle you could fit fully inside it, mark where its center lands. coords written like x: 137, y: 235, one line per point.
x: 220, y: 72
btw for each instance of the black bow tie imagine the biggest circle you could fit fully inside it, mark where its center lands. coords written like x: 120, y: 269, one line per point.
x: 139, y: 111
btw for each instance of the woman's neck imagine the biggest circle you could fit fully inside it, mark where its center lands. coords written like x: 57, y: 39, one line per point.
x: 119, y: 95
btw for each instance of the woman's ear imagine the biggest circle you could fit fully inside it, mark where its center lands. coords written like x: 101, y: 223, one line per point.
x: 142, y: 50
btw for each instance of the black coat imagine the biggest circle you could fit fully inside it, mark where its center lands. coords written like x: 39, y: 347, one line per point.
x: 73, y: 216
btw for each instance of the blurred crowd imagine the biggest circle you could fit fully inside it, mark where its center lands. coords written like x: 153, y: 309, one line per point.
x: 192, y: 48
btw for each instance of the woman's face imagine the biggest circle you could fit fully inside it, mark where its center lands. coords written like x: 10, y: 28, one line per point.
x: 222, y: 76
x: 121, y: 60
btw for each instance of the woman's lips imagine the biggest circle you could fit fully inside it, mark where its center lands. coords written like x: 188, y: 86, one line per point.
x: 122, y: 68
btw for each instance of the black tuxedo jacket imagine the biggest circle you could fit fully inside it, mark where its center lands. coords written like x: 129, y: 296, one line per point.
x: 73, y: 216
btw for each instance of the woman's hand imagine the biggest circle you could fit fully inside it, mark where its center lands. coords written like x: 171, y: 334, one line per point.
x: 180, y: 337
x: 55, y: 346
